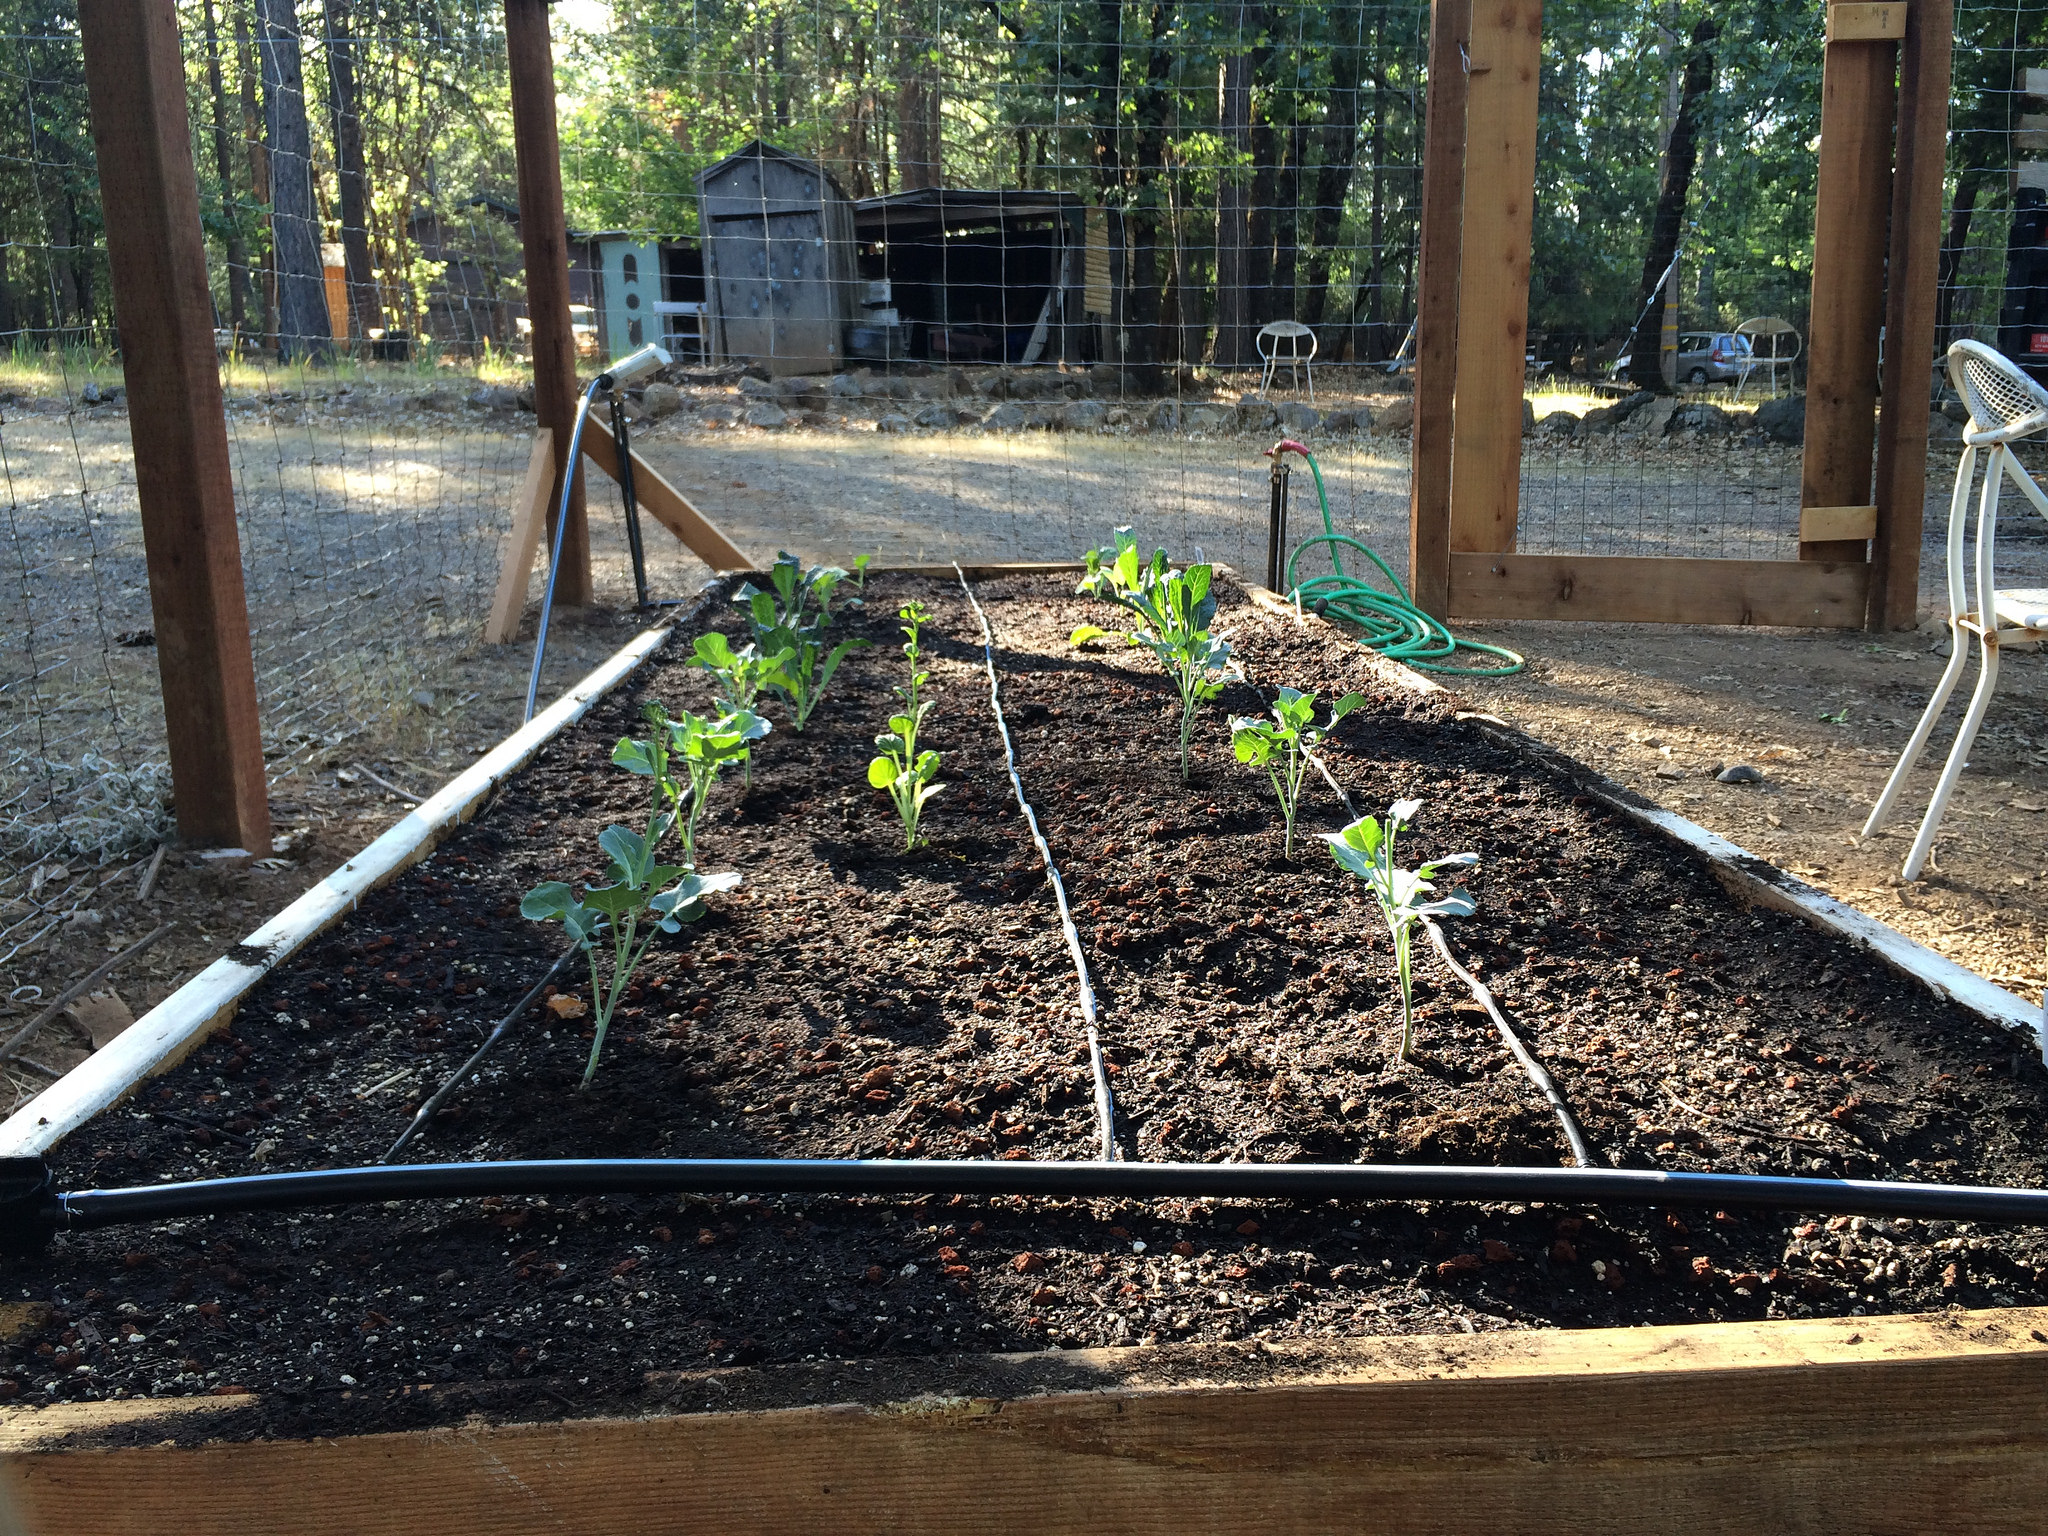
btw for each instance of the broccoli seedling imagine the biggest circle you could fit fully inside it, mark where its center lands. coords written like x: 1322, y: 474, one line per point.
x: 704, y: 746
x: 1173, y: 610
x: 1366, y: 849
x: 741, y: 675
x: 644, y: 898
x: 1285, y: 745
x: 792, y: 615
x: 910, y: 776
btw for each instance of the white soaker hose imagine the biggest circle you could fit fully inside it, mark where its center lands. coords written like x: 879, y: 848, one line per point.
x: 1105, y: 1113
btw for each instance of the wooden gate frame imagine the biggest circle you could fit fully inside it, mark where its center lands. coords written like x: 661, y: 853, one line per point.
x: 1884, y: 121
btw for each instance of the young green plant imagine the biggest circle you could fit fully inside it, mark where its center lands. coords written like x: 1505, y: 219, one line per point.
x: 1172, y: 610
x: 742, y: 674
x: 1366, y: 849
x: 642, y: 898
x: 792, y: 614
x: 909, y: 775
x: 703, y: 746
x: 1285, y: 744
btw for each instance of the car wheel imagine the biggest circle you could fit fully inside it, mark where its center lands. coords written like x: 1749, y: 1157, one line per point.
x: 1697, y: 376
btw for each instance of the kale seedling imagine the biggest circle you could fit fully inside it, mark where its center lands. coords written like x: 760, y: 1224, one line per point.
x: 792, y: 615
x: 1173, y: 610
x: 910, y: 776
x: 704, y: 746
x: 1367, y: 850
x: 643, y: 898
x: 1285, y: 745
x: 741, y: 675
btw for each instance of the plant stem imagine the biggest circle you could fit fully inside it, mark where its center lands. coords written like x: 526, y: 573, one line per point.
x: 1401, y: 937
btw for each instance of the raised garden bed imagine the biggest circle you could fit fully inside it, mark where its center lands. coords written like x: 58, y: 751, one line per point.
x: 852, y: 1000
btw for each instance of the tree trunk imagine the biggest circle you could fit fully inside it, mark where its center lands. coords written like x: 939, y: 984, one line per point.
x: 366, y: 313
x: 303, y: 328
x: 1234, y: 118
x: 1953, y: 245
x: 918, y: 158
x: 259, y: 165
x: 1338, y: 140
x: 1645, y: 368
x: 1266, y: 153
x: 237, y: 246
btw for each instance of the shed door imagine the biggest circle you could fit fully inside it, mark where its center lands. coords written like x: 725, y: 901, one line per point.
x: 632, y: 282
x: 775, y: 291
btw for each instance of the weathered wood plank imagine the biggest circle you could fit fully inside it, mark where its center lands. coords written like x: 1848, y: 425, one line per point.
x: 522, y: 541
x: 1630, y: 589
x: 1854, y: 21
x: 156, y: 257
x: 669, y: 506
x: 1436, y: 320
x: 1493, y: 297
x: 1834, y: 524
x: 1895, y: 1424
x: 1912, y: 273
x: 1852, y: 205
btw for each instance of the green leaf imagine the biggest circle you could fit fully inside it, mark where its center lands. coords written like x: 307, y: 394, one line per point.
x: 627, y: 848
x: 882, y: 772
x: 1459, y: 903
x: 615, y: 900
x: 1345, y: 706
x: 1365, y: 835
x: 635, y: 757
x: 549, y: 899
x: 1088, y: 632
x: 1403, y: 811
x: 713, y: 651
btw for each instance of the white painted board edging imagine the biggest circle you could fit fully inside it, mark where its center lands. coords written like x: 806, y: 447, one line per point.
x: 1745, y: 875
x: 164, y: 1036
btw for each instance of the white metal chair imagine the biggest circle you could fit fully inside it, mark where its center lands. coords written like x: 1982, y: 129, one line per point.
x: 1269, y: 344
x: 2005, y: 406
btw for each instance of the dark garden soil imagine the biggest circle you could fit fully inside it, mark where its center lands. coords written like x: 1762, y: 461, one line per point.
x: 855, y: 1000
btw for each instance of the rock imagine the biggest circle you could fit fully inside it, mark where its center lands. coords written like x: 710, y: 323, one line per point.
x: 767, y: 416
x: 1670, y: 771
x: 844, y: 386
x: 1394, y: 418
x: 758, y: 389
x: 1006, y: 418
x: 1117, y: 417
x: 1359, y: 420
x: 1256, y: 416
x: 1296, y: 417
x: 1598, y: 422
x: 423, y: 698
x: 1207, y: 418
x: 437, y: 400
x: 1782, y: 420
x: 1106, y: 378
x: 494, y: 397
x: 1740, y: 773
x: 661, y: 400
x: 895, y: 421
x: 1163, y: 417
x: 1955, y: 411
x: 719, y: 413
x: 1650, y: 420
x: 935, y: 416
x: 1084, y: 416
x: 1941, y: 430
x: 90, y: 395
x: 1528, y: 418
x: 1701, y: 416
x: 1558, y: 424
x: 524, y: 400
x: 1628, y: 405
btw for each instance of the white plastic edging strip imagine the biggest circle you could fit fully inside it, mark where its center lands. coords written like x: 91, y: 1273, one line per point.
x: 1748, y: 875
x: 161, y: 1038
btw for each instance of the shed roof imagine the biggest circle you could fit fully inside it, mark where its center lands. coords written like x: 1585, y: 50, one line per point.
x: 928, y: 210
x: 761, y: 149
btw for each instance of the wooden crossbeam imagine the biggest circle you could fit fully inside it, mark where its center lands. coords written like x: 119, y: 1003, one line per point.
x: 1633, y: 589
x: 669, y: 506
x: 522, y: 541
x: 1860, y: 21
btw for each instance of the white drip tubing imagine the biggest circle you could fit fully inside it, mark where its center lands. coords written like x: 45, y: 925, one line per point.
x: 1105, y: 1110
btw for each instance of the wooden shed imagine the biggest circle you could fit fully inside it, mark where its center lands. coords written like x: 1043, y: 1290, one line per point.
x: 778, y: 260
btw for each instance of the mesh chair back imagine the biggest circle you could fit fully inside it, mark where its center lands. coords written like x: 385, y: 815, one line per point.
x: 2003, y: 402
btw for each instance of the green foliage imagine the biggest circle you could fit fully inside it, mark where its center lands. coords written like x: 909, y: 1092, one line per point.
x: 741, y: 675
x: 641, y: 898
x: 1172, y: 611
x: 909, y: 775
x: 1285, y: 744
x: 1366, y: 849
x: 703, y: 745
x: 792, y: 614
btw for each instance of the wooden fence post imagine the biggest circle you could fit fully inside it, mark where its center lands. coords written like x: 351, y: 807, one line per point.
x: 1910, y: 298
x: 1851, y: 211
x: 543, y: 233
x: 156, y: 256
x: 1493, y: 301
x: 1436, y: 319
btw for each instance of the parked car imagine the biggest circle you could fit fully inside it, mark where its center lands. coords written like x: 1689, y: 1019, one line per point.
x: 1705, y: 357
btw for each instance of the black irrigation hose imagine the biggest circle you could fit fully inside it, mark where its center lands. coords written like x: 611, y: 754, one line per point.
x: 1538, y: 1073
x: 30, y: 1210
x: 1105, y: 1105
x: 462, y: 1073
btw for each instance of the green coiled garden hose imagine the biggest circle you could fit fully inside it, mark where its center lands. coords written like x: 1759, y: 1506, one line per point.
x: 1391, y: 622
